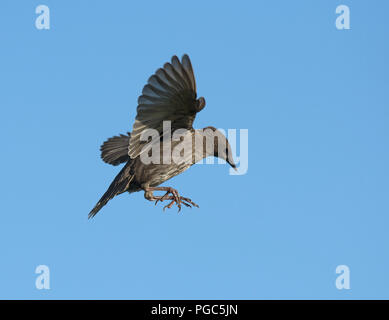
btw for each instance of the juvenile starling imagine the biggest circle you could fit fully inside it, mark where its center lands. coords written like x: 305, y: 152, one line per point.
x: 169, y: 96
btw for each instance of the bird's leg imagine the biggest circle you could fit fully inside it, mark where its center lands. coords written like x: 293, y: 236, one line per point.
x: 171, y: 194
x: 175, y: 197
x: 166, y: 196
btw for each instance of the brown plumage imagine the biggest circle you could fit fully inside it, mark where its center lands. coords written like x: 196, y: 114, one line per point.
x: 169, y: 95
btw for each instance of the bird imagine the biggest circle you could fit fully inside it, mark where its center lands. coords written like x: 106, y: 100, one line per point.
x: 170, y: 97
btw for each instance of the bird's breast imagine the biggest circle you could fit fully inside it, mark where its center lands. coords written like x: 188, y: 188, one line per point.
x: 183, y: 155
x: 155, y: 174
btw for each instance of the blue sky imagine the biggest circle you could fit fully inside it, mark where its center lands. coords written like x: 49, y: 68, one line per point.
x: 315, y: 102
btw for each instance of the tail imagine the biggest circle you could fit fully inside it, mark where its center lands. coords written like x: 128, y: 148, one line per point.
x: 119, y: 185
x: 115, y: 150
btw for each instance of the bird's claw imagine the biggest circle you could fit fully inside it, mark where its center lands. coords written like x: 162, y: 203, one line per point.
x: 170, y: 205
x: 175, y: 199
x: 189, y: 203
x: 164, y: 197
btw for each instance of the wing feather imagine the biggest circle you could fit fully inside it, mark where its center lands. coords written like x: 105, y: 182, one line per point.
x: 170, y: 94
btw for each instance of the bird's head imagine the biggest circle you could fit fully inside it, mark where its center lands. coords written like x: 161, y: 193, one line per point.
x: 221, y: 147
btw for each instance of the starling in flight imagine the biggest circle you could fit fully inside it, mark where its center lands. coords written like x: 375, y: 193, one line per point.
x: 169, y: 96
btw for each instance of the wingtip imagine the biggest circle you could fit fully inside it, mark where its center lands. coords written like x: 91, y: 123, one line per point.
x: 185, y: 59
x: 175, y: 60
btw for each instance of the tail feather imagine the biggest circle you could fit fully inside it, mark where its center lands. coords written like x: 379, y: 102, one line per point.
x: 115, y: 150
x: 119, y: 185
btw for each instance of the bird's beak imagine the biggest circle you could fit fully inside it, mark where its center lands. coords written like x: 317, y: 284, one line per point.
x: 232, y: 164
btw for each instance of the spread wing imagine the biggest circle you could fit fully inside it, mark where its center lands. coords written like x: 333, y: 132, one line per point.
x: 170, y: 94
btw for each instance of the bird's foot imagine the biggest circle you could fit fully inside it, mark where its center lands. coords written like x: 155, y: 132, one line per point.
x: 173, y: 195
x: 182, y: 200
x: 189, y: 203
